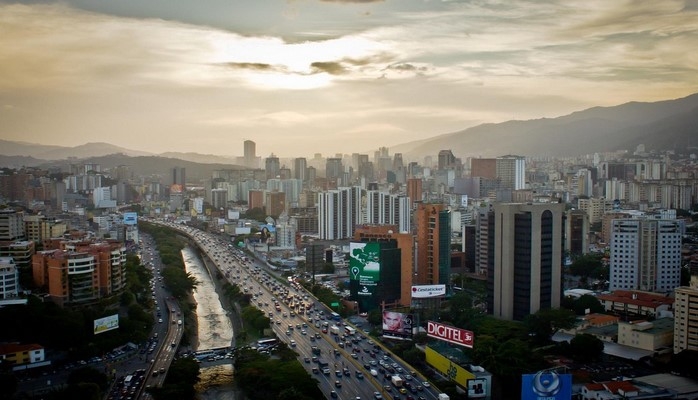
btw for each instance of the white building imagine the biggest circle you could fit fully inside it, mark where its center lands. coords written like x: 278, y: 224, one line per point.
x: 387, y: 209
x: 645, y: 255
x: 511, y: 171
x: 9, y: 278
x: 338, y: 212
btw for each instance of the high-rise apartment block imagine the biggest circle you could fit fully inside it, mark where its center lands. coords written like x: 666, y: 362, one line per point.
x: 271, y: 166
x: 645, y: 254
x: 275, y: 203
x: 386, y: 208
x: 11, y: 225
x: 9, y: 278
x: 433, y: 244
x: 300, y: 165
x: 685, y: 319
x: 525, y: 274
x: 338, y: 212
x: 511, y: 172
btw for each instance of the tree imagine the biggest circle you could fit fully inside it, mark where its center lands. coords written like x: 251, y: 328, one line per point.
x: 585, y: 347
x: 545, y: 322
x: 587, y: 302
x: 587, y: 265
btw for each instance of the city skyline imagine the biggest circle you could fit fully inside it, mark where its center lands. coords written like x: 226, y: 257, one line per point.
x: 179, y: 77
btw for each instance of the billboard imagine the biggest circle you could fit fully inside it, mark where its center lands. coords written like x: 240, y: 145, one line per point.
x: 364, y: 266
x: 397, y: 325
x: 547, y: 385
x: 130, y: 218
x: 106, y: 324
x: 450, y: 334
x: 423, y: 291
x: 448, y: 368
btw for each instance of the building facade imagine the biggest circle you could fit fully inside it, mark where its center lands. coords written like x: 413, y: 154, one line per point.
x: 685, y: 319
x: 433, y: 244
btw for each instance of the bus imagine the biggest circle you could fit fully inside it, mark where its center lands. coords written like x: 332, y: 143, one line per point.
x: 266, y: 342
x: 335, y: 316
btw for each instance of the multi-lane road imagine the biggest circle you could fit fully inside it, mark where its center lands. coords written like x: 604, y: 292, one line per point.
x: 302, y: 329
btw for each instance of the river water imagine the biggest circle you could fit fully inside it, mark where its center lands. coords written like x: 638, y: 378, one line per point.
x: 215, y: 330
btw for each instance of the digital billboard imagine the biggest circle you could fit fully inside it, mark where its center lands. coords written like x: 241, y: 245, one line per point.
x: 547, y: 385
x: 106, y: 324
x: 130, y: 218
x: 424, y: 291
x: 364, y: 267
x: 397, y: 325
x: 450, y: 334
x: 448, y: 368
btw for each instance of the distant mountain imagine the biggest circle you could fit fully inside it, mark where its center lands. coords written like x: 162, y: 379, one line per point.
x: 671, y: 124
x: 18, y: 162
x: 199, y: 158
x: 43, y: 152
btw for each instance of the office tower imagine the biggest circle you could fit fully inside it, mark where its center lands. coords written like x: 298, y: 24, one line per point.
x: 511, y: 172
x: 526, y: 272
x: 414, y: 190
x: 250, y: 155
x: 484, y: 168
x: 299, y: 168
x: 219, y: 198
x: 645, y: 254
x: 384, y: 208
x: 433, y: 235
x: 685, y: 319
x: 405, y: 242
x: 271, y: 166
x: 255, y: 199
x: 594, y: 207
x: 577, y: 232
x: 9, y: 278
x: 446, y: 159
x: 397, y: 162
x: 179, y: 177
x: 11, y: 225
x: 469, y: 247
x: 333, y: 169
x: 339, y: 211
x: 275, y: 203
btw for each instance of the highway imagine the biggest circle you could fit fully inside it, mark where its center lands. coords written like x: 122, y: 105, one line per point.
x: 269, y: 290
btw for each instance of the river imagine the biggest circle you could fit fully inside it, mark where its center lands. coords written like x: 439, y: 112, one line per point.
x: 215, y: 330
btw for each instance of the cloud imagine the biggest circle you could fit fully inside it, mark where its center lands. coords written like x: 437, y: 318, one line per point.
x: 333, y: 68
x: 252, y: 66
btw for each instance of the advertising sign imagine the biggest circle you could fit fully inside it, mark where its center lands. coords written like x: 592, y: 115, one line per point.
x: 364, y: 266
x: 130, y: 218
x: 546, y: 385
x: 450, y: 334
x: 424, y: 291
x: 477, y: 388
x: 106, y: 324
x: 397, y: 325
x: 448, y: 368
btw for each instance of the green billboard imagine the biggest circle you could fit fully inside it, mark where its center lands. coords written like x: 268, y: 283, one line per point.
x: 364, y: 268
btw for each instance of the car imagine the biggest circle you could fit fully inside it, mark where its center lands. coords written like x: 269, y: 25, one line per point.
x: 333, y: 394
x: 160, y: 320
x: 377, y: 396
x: 359, y: 375
x: 426, y: 384
x: 408, y: 377
x: 337, y: 384
x: 403, y: 390
x: 306, y: 359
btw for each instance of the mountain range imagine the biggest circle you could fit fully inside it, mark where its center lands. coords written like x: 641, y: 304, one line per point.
x: 663, y: 125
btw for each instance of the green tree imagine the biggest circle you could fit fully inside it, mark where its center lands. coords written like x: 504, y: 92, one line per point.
x: 587, y: 302
x: 585, y: 347
x: 545, y: 322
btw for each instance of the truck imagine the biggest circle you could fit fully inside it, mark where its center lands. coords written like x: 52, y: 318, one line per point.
x: 334, y: 329
x: 443, y: 396
x: 349, y: 331
x: 396, y: 380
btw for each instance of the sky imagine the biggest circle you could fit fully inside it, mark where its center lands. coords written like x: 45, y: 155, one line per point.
x: 300, y: 77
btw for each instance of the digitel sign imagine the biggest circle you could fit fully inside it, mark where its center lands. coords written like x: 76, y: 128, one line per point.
x: 450, y: 334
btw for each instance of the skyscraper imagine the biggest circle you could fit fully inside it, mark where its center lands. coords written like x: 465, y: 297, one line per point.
x: 414, y: 190
x: 179, y: 177
x: 433, y: 226
x: 271, y: 166
x: 526, y: 273
x: 250, y: 156
x: 338, y: 212
x: 645, y: 254
x: 511, y: 172
x: 385, y: 208
x: 299, y: 168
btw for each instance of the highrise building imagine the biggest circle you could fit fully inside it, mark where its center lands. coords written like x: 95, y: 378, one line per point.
x: 255, y: 199
x: 219, y: 198
x: 271, y: 166
x: 385, y: 208
x: 275, y: 203
x: 433, y: 237
x: 250, y: 155
x: 299, y: 168
x: 483, y: 167
x: 511, y: 172
x: 38, y: 228
x: 179, y: 177
x: 334, y: 169
x: 446, y: 159
x: 685, y: 319
x: 9, y: 278
x: 339, y: 211
x: 526, y: 272
x: 645, y: 254
x: 414, y: 190
x: 577, y: 232
x: 11, y: 225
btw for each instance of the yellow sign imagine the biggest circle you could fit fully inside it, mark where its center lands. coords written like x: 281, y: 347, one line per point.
x: 448, y: 368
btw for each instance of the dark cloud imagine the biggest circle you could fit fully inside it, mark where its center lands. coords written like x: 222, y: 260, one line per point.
x: 254, y: 66
x: 332, y: 68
